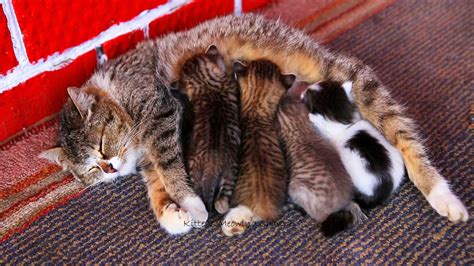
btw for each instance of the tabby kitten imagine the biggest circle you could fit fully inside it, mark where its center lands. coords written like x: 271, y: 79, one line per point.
x: 319, y: 182
x: 214, y: 141
x: 375, y: 166
x: 261, y: 188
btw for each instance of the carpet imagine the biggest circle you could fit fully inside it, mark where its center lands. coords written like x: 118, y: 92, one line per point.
x: 409, y: 46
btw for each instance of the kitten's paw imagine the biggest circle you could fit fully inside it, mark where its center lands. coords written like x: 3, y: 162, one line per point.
x: 195, y: 206
x: 175, y: 220
x: 446, y: 203
x: 237, y: 220
x: 221, y: 205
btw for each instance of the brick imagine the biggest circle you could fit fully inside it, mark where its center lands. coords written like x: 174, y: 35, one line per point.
x: 122, y: 44
x: 248, y: 5
x: 7, y: 56
x: 190, y: 15
x: 51, y: 26
x: 42, y: 95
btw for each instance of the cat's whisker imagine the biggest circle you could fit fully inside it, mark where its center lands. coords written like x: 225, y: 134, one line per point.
x: 125, y: 141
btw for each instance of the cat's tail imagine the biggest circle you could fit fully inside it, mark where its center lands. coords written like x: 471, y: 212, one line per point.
x: 339, y: 221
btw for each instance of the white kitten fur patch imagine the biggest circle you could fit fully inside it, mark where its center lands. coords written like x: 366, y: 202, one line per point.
x: 195, y: 206
x: 237, y: 220
x: 446, y: 203
x: 175, y: 220
x: 348, y: 89
x: 364, y: 181
x: 314, y: 87
x: 339, y: 134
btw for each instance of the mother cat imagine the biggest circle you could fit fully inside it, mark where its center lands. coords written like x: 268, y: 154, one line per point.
x: 124, y: 116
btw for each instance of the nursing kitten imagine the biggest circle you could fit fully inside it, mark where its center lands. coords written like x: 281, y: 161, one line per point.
x: 375, y: 166
x: 214, y: 140
x: 319, y: 182
x: 261, y: 188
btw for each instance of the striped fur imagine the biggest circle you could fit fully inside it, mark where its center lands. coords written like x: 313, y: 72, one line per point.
x: 262, y: 183
x: 215, y: 138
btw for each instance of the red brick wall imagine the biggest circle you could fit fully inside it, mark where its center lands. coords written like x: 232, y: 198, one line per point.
x: 54, y: 45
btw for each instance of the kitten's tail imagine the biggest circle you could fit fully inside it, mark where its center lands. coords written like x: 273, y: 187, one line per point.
x: 339, y: 221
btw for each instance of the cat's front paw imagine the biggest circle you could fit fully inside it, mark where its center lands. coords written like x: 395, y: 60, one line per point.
x: 237, y: 220
x: 175, y: 220
x: 446, y: 203
x: 195, y: 206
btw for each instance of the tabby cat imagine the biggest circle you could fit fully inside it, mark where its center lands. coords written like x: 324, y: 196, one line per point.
x: 261, y: 188
x: 375, y: 166
x: 100, y: 142
x: 134, y: 85
x: 319, y: 182
x: 215, y: 139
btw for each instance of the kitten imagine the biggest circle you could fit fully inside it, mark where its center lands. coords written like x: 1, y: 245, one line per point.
x: 319, y: 182
x: 261, y: 188
x: 375, y: 166
x: 214, y: 138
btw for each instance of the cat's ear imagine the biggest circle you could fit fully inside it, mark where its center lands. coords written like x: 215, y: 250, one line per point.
x: 57, y: 156
x: 240, y: 69
x: 81, y: 99
x: 348, y: 89
x: 212, y: 50
x: 288, y: 80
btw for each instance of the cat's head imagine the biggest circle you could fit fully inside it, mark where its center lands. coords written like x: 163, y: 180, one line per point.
x: 201, y: 73
x: 97, y: 141
x: 331, y: 100
x: 261, y: 75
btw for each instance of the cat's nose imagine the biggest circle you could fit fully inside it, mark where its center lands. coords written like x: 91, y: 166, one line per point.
x: 107, y: 167
x: 111, y: 169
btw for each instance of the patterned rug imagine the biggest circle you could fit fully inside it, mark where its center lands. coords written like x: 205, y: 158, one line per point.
x: 420, y: 50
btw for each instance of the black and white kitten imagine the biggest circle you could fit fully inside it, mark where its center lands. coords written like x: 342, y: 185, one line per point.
x: 375, y: 166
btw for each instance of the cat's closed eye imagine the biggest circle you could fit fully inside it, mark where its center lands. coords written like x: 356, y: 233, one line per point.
x: 93, y: 169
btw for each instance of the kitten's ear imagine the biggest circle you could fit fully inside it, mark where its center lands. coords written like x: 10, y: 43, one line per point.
x: 240, y: 69
x: 288, y: 80
x: 348, y: 89
x: 212, y: 50
x: 57, y: 156
x: 81, y: 99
